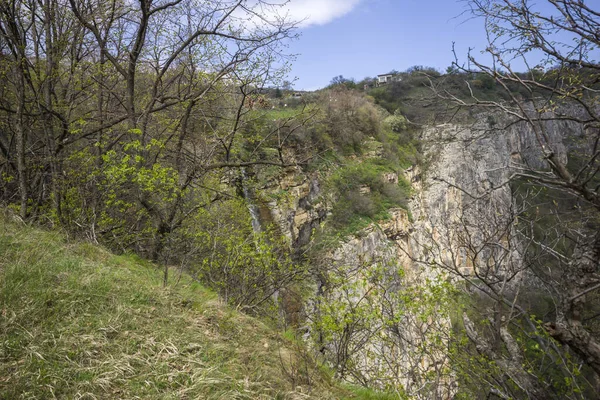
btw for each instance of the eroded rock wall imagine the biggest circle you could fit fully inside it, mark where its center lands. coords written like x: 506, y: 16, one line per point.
x: 460, y: 198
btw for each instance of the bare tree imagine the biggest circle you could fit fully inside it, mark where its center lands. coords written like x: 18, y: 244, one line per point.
x: 542, y: 246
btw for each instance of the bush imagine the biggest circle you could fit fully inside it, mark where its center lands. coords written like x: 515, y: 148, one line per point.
x: 396, y: 122
x: 246, y: 268
x: 360, y: 192
x: 350, y: 117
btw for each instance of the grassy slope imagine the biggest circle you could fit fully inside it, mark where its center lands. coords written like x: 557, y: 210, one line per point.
x: 78, y: 322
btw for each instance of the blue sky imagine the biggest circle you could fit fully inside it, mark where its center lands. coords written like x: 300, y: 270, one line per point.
x: 359, y: 38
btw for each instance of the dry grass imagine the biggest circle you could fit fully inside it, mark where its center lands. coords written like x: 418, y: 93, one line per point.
x: 77, y: 322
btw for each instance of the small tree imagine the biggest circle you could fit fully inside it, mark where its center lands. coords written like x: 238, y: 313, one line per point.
x: 340, y: 80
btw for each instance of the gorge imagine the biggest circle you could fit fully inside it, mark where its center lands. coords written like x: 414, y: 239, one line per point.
x: 178, y: 222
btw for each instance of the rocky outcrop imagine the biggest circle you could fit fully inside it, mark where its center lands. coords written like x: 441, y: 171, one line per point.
x: 464, y: 191
x: 295, y: 206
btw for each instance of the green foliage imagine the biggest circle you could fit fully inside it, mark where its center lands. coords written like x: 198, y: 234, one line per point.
x: 414, y: 99
x: 360, y: 192
x: 127, y: 168
x: 282, y: 113
x: 396, y: 122
x: 543, y: 359
x: 246, y: 268
x: 411, y: 96
x: 132, y: 191
x: 366, y: 314
x: 349, y: 118
x: 383, y: 97
x: 372, y: 394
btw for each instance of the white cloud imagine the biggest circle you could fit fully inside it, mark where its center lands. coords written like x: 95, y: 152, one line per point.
x: 258, y: 14
x: 318, y: 12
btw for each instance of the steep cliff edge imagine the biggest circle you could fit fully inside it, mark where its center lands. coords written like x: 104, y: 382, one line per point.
x: 382, y: 307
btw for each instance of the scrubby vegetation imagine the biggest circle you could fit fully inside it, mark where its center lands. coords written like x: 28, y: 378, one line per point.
x: 421, y: 94
x: 362, y: 194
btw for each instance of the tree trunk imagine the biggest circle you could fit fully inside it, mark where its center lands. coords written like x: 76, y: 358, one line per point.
x: 581, y: 278
x: 48, y: 108
x: 20, y: 140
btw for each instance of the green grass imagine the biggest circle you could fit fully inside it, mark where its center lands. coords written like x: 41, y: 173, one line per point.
x: 369, y: 394
x: 283, y: 113
x: 77, y: 322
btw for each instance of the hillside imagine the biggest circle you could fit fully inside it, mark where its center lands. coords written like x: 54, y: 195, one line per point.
x: 79, y: 322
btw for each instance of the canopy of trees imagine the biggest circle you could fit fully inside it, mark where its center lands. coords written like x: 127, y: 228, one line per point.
x: 114, y: 114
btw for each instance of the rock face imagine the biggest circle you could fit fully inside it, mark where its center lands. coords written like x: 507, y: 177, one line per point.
x: 463, y: 185
x: 466, y: 185
x: 297, y: 211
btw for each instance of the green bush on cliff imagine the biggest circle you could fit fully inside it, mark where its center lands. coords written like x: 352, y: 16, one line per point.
x: 362, y: 193
x: 396, y: 122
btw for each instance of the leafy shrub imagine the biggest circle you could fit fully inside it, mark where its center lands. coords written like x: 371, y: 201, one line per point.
x: 360, y: 192
x: 350, y: 117
x: 396, y: 122
x: 246, y: 268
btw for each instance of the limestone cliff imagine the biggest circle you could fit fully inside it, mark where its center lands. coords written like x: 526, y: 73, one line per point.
x: 463, y: 182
